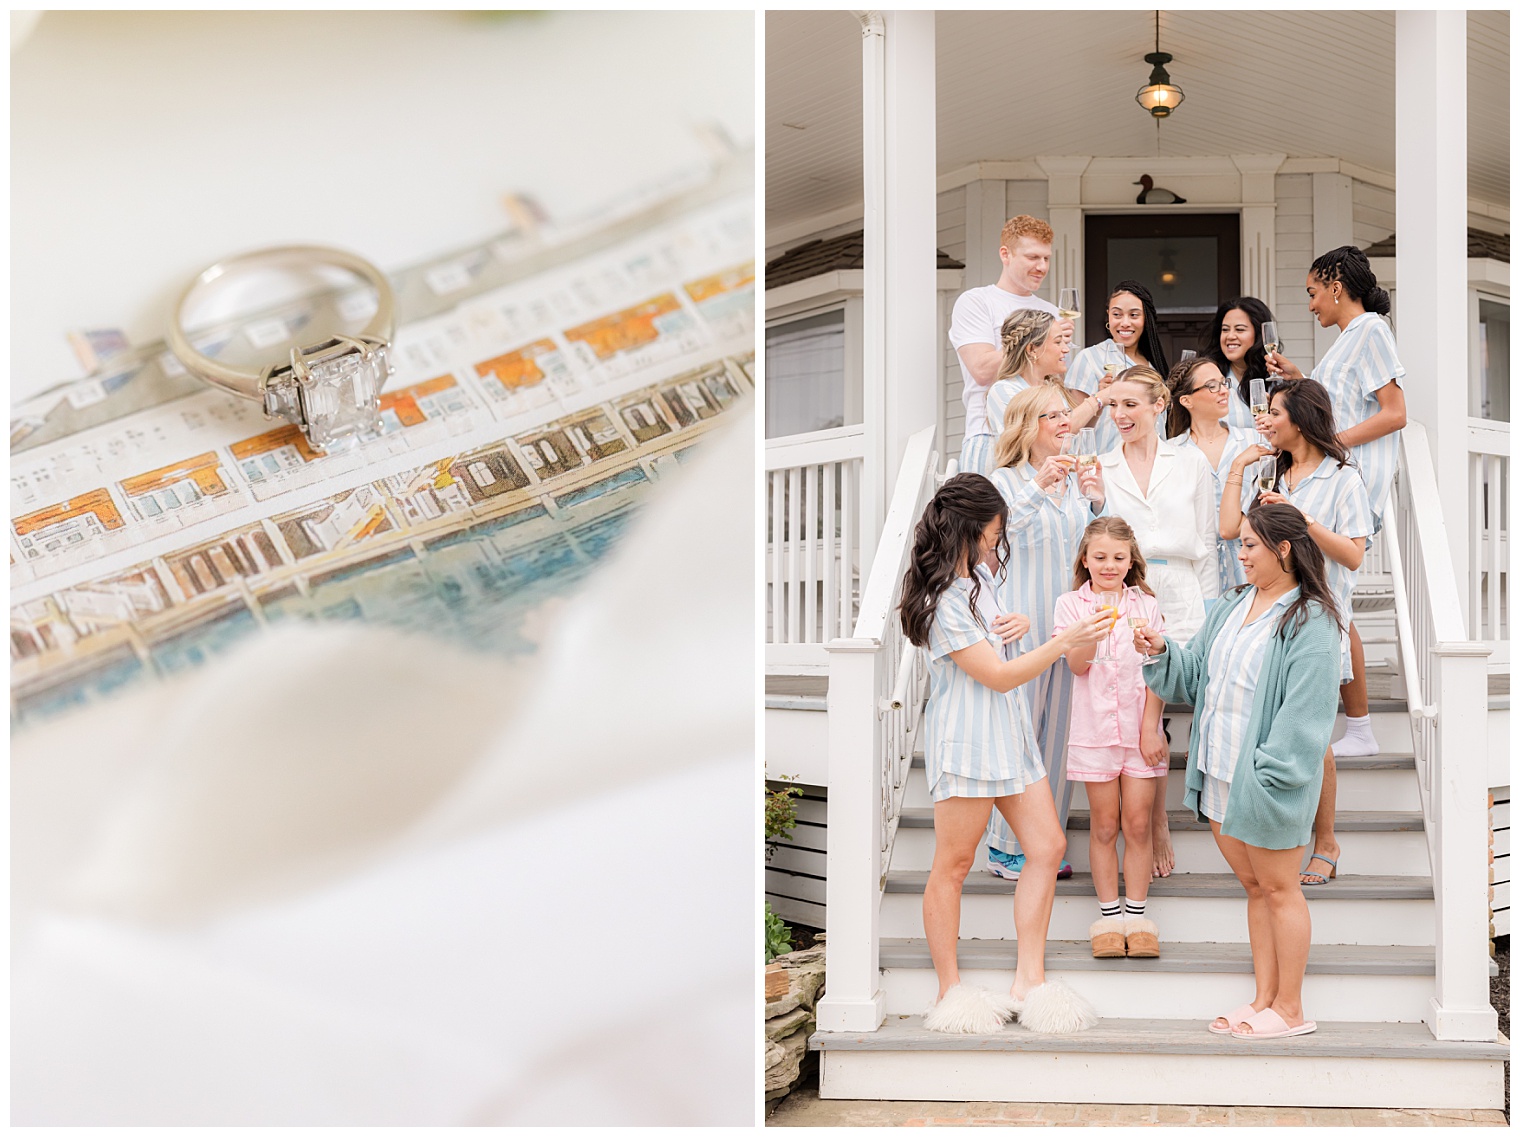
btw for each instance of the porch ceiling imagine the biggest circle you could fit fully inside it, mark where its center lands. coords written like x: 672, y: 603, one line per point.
x: 1309, y: 84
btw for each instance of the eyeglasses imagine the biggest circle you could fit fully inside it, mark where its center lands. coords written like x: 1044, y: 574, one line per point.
x: 1056, y: 414
x: 1213, y: 387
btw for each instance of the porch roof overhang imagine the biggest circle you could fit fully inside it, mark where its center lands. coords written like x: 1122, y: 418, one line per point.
x: 1311, y: 85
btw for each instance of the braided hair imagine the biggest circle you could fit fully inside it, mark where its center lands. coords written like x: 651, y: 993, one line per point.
x: 1150, y: 335
x: 947, y: 539
x: 1349, y: 265
x: 1179, y: 420
x: 1024, y: 332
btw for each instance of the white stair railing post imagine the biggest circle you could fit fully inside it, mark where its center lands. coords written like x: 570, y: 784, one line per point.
x: 1460, y: 1011
x: 853, y: 999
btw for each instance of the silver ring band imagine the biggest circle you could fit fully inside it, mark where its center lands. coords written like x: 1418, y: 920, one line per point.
x: 331, y: 389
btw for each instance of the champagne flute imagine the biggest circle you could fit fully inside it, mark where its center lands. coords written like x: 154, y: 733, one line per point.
x: 1270, y: 341
x: 1069, y: 305
x: 1259, y: 405
x: 1266, y: 475
x: 1087, y: 453
x: 1187, y: 354
x: 1107, y: 601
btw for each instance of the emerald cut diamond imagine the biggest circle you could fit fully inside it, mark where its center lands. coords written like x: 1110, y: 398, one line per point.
x: 332, y: 392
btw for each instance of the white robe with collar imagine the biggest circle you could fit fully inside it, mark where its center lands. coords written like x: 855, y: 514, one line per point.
x: 1174, y: 521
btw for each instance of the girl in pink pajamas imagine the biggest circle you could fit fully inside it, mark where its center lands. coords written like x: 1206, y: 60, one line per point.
x: 1116, y: 745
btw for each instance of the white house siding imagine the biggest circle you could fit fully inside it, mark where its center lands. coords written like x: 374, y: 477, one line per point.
x: 794, y: 868
x: 1295, y: 253
x: 952, y: 241
x: 1371, y: 213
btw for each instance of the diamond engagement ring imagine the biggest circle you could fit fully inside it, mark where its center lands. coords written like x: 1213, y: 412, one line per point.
x: 330, y: 389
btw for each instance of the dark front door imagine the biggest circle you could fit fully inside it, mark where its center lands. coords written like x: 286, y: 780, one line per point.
x: 1189, y: 261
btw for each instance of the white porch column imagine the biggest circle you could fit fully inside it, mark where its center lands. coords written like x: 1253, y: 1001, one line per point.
x: 1064, y: 210
x: 1430, y: 214
x: 1258, y: 226
x: 913, y: 349
x: 1431, y: 223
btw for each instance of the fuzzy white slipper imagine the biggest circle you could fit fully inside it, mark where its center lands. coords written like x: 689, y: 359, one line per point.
x: 968, y: 1010
x: 1054, y: 1008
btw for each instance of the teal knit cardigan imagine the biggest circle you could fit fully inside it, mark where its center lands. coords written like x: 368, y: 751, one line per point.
x: 1275, y: 791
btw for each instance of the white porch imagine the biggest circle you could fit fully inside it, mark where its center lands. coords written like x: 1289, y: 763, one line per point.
x: 881, y: 126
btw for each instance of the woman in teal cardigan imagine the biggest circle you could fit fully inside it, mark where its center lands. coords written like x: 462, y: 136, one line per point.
x: 1263, y: 674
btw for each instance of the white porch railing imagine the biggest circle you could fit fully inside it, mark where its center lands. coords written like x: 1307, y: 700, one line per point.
x: 873, y: 724
x: 1488, y: 534
x: 1446, y: 676
x: 812, y: 542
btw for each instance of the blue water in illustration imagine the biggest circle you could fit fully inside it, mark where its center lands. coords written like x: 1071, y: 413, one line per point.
x: 475, y: 587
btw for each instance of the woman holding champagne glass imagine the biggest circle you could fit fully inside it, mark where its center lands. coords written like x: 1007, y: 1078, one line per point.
x: 1166, y: 493
x: 1313, y: 473
x: 1237, y: 344
x: 1134, y: 340
x: 1361, y: 371
x: 1034, y: 355
x: 1201, y: 400
x: 1046, y: 518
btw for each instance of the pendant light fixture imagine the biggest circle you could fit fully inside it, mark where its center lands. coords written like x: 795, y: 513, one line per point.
x: 1160, y: 96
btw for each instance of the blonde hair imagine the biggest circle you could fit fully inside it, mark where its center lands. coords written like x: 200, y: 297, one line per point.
x: 1119, y: 530
x: 1026, y: 226
x: 1024, y: 333
x: 1150, y: 379
x: 1021, y: 424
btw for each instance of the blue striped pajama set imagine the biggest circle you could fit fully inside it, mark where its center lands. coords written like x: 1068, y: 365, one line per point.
x: 1336, y: 498
x: 1235, y: 660
x: 1362, y: 360
x: 1085, y: 373
x: 1043, y: 535
x: 1230, y: 571
x: 977, y: 742
x: 978, y: 317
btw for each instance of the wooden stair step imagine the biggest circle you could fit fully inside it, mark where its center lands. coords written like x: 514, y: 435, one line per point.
x: 1195, y: 885
x: 1169, y: 1037
x: 1224, y: 958
x: 1366, y: 821
x: 1387, y: 760
x: 1180, y: 820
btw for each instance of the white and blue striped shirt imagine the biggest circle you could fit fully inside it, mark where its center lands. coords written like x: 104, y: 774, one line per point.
x: 1235, y: 660
x: 972, y: 730
x: 1240, y: 438
x: 1043, y: 535
x: 1336, y: 498
x: 1362, y: 360
x: 1085, y: 373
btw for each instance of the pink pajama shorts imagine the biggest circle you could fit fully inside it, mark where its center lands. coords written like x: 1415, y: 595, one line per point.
x: 1105, y: 763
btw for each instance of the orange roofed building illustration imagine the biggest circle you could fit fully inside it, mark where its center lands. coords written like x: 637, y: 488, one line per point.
x: 169, y: 487
x: 625, y: 330
x: 518, y: 369
x: 729, y: 280
x: 284, y: 448
x: 72, y: 522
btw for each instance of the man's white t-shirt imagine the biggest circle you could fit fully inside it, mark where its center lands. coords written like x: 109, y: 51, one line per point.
x: 978, y: 318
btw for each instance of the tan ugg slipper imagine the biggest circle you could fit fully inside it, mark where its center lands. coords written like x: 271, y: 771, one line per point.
x: 1140, y: 938
x: 1108, y: 938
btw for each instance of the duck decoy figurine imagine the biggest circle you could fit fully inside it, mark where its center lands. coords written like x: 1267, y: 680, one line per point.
x: 1150, y: 195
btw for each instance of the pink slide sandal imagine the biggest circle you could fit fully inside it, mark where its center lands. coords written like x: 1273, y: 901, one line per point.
x: 1269, y: 1024
x: 1233, y: 1019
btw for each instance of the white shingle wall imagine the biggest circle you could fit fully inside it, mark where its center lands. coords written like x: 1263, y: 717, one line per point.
x: 952, y: 240
x: 1371, y: 213
x: 1295, y: 253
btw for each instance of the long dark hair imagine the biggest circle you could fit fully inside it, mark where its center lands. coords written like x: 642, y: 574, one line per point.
x: 1254, y: 366
x: 1274, y: 524
x: 1150, y: 335
x: 949, y: 535
x: 1349, y: 265
x: 1311, y: 411
x: 1179, y: 420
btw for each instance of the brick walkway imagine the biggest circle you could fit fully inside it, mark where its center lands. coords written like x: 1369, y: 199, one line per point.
x: 804, y: 1107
